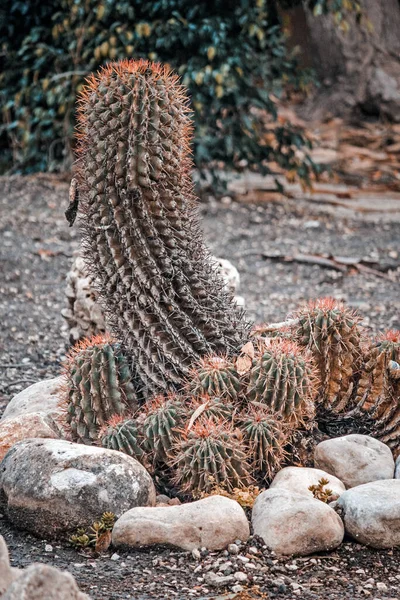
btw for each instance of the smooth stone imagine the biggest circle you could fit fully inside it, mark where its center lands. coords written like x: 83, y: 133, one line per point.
x: 31, y: 425
x: 213, y: 523
x: 371, y: 513
x: 42, y: 582
x: 8, y: 574
x: 50, y: 487
x: 293, y: 523
x: 299, y: 479
x: 355, y: 459
x: 44, y: 397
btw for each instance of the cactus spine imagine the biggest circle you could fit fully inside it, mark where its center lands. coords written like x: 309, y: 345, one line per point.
x: 163, y: 297
x: 99, y: 386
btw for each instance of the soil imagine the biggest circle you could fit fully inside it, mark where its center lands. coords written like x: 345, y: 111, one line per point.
x: 37, y: 249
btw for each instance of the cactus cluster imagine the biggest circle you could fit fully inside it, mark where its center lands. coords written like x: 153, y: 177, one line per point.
x: 162, y: 295
x: 177, y: 389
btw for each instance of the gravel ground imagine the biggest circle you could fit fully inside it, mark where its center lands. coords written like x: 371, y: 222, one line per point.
x: 36, y: 250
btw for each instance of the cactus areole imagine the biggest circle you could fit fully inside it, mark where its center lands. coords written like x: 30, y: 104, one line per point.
x: 133, y: 194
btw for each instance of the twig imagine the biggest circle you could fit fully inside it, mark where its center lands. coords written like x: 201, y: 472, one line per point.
x: 274, y: 326
x: 27, y: 380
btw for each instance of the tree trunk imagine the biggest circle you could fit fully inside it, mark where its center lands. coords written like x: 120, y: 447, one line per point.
x: 360, y: 69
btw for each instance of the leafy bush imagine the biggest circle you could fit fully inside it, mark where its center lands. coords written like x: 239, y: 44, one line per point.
x: 230, y: 55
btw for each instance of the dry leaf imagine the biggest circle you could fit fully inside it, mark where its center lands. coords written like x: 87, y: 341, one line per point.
x: 103, y: 543
x: 199, y: 410
x: 243, y: 364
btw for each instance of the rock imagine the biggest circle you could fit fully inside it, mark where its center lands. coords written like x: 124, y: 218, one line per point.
x: 32, y: 425
x: 299, y: 479
x: 355, y: 459
x: 7, y: 573
x: 51, y: 487
x: 42, y: 582
x: 213, y: 522
x: 215, y: 580
x: 292, y: 523
x: 371, y: 513
x: 397, y: 468
x: 44, y: 397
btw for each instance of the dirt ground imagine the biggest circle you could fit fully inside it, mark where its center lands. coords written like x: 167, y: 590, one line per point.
x: 261, y: 239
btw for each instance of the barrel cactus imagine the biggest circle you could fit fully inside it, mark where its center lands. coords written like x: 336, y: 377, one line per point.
x: 216, y: 376
x: 282, y: 379
x: 266, y: 437
x: 163, y: 421
x: 378, y: 391
x: 211, y: 455
x: 99, y: 385
x: 161, y: 292
x: 332, y: 333
x: 123, y: 434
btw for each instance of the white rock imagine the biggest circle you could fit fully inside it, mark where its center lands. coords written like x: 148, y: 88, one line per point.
x: 293, y: 523
x: 7, y: 573
x: 42, y: 582
x: 371, y: 513
x: 44, y: 397
x: 299, y: 479
x: 355, y: 459
x: 50, y: 487
x: 213, y: 522
x: 31, y: 425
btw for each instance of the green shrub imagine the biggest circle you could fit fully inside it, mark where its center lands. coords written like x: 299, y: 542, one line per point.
x: 230, y: 55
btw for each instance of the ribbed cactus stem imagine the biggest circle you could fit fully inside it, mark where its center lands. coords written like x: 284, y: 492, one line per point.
x: 160, y: 290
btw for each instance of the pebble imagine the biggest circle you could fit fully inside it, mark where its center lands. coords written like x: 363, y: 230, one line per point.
x: 196, y: 554
x: 115, y: 556
x: 233, y: 549
x: 240, y: 576
x: 381, y: 587
x: 48, y: 548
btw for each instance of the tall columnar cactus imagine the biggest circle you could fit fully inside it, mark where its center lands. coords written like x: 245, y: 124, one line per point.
x: 99, y: 385
x: 266, y: 437
x: 215, y: 375
x: 211, y: 455
x: 378, y: 392
x: 333, y: 334
x: 142, y: 243
x: 282, y: 379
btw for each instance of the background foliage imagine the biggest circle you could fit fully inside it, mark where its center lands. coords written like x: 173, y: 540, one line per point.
x: 231, y: 56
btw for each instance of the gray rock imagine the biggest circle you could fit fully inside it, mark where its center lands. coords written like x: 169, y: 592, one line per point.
x: 31, y: 425
x: 50, y: 487
x: 293, y: 523
x: 355, y: 459
x: 8, y: 574
x: 397, y: 468
x: 299, y: 479
x: 42, y: 582
x: 371, y: 513
x: 44, y: 397
x: 213, y: 522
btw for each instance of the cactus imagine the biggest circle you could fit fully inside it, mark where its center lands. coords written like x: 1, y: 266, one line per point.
x: 123, y: 434
x: 99, y: 385
x: 210, y: 454
x: 142, y: 244
x: 378, y: 391
x: 266, y: 437
x: 215, y: 376
x: 212, y: 407
x: 282, y: 378
x: 333, y: 335
x: 164, y: 419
